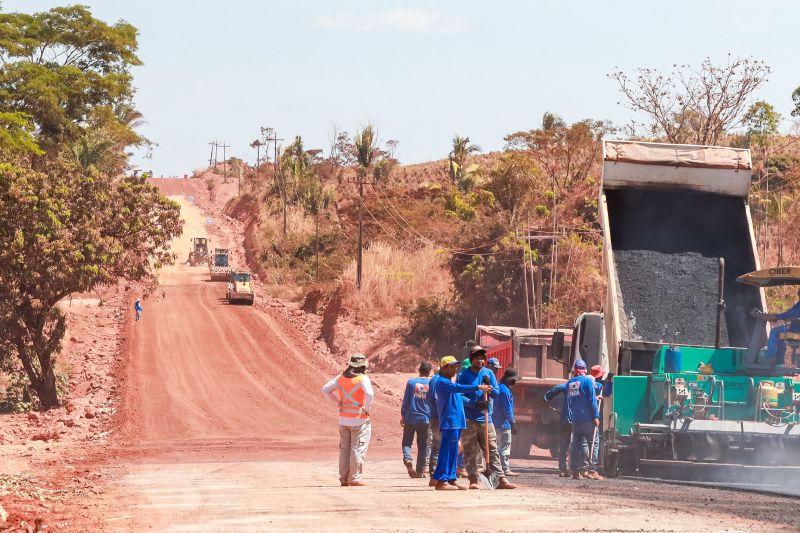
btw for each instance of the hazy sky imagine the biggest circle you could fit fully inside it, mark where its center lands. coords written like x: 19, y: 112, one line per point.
x: 421, y: 71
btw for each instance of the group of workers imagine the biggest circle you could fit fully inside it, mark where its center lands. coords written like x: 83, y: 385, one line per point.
x: 460, y: 408
x: 446, y: 415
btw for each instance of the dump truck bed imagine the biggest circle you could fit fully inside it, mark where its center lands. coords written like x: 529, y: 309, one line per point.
x: 668, y: 213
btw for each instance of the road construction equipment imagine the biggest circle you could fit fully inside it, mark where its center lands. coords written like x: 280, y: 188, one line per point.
x: 240, y: 288
x: 219, y: 268
x: 198, y: 253
x: 692, y: 390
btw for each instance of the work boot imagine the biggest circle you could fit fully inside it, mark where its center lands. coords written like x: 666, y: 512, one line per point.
x: 356, y: 484
x: 441, y: 485
x: 344, y: 483
x: 594, y: 475
x: 432, y: 482
x: 453, y: 483
x: 563, y: 473
x: 410, y: 469
x: 504, y: 484
x: 511, y: 473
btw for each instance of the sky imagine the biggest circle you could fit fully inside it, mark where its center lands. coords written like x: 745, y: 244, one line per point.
x: 419, y: 71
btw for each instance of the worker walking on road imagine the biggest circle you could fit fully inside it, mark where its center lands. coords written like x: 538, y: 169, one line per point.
x: 450, y: 407
x: 473, y: 436
x: 415, y: 418
x: 583, y: 414
x: 352, y: 391
x: 503, y: 417
x: 138, y: 308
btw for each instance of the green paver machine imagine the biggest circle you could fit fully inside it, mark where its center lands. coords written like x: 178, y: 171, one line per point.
x: 729, y: 414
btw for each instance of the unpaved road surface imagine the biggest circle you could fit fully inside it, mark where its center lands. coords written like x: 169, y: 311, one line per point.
x: 224, y: 429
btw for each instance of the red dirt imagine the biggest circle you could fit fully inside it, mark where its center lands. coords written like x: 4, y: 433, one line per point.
x: 222, y: 427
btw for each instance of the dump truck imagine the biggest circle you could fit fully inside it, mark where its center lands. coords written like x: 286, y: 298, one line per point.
x: 219, y: 266
x: 240, y: 288
x: 198, y: 253
x: 531, y: 353
x: 691, y: 396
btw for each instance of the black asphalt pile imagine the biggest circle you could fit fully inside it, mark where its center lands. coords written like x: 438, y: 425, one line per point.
x: 666, y: 245
x: 670, y: 297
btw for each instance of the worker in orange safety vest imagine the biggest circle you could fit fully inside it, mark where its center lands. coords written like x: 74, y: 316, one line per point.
x: 352, y: 391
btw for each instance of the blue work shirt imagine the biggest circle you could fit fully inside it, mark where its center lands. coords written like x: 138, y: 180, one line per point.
x: 561, y: 388
x: 581, y: 400
x: 503, y: 412
x: 468, y: 377
x: 791, y: 314
x: 432, y: 396
x: 450, y: 403
x: 415, y: 408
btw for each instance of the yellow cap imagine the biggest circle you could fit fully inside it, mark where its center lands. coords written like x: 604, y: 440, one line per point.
x: 448, y: 360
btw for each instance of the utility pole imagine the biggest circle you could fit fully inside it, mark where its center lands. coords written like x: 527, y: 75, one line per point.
x: 225, y: 162
x: 274, y: 140
x: 360, y: 227
x: 216, y: 151
x: 213, y: 145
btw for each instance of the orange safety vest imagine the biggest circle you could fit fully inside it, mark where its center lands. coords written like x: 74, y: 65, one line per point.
x: 351, y: 396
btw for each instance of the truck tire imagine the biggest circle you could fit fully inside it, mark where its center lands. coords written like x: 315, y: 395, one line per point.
x: 521, y: 442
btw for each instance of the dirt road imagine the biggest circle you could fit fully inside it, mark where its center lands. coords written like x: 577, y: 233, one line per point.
x: 224, y: 429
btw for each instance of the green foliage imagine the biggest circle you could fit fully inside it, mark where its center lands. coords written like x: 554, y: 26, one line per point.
x: 762, y: 122
x: 516, y: 182
x: 16, y: 134
x: 457, y: 206
x: 796, y: 102
x: 60, y: 66
x: 64, y: 231
x: 366, y: 144
x: 439, y: 323
x: 464, y: 177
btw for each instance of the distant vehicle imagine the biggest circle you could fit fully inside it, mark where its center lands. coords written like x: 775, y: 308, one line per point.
x: 198, y: 253
x: 240, y: 288
x: 219, y: 267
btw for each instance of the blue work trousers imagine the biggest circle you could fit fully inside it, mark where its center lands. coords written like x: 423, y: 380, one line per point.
x: 422, y: 433
x: 581, y: 441
x: 448, y: 456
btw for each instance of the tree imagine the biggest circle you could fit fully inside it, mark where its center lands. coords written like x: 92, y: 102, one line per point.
x: 514, y: 182
x: 366, y: 144
x: 464, y: 177
x: 316, y: 199
x: 60, y: 66
x: 796, y: 101
x: 69, y: 221
x: 566, y: 154
x: 65, y: 230
x: 693, y: 105
x: 762, y: 122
